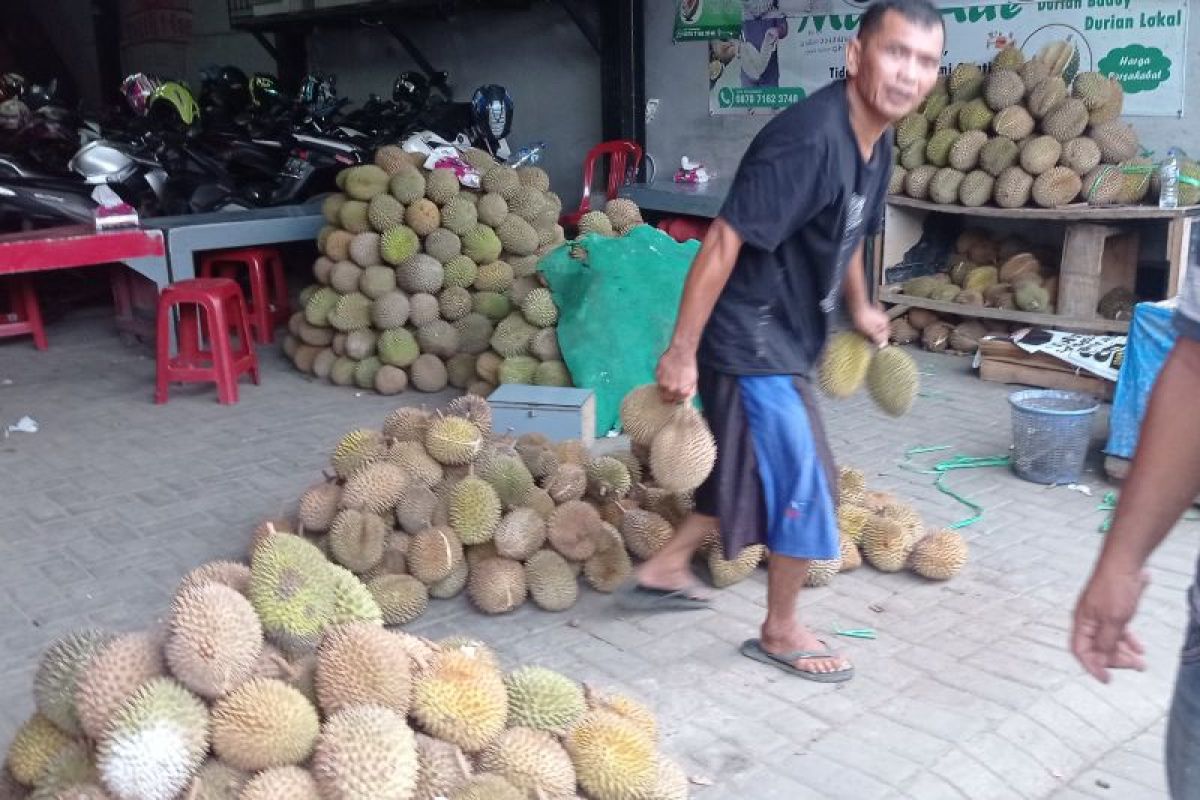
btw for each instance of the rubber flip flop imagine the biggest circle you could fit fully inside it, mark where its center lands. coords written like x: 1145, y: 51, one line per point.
x: 635, y: 597
x: 752, y: 648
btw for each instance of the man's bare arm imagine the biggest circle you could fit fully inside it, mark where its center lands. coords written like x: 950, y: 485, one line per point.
x: 868, y: 319
x: 677, y: 372
x: 1165, y: 475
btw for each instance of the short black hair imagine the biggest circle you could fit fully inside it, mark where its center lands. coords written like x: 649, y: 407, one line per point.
x: 920, y: 12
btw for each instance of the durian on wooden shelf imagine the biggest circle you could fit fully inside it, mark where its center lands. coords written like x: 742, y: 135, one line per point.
x: 1099, y: 253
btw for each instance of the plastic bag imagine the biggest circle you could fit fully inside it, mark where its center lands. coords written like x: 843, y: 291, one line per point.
x: 617, y: 298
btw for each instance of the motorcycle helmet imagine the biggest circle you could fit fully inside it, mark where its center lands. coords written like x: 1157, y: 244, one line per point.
x: 410, y: 90
x: 226, y: 87
x: 12, y: 85
x: 492, y: 111
x: 264, y: 90
x: 174, y: 102
x: 137, y: 89
x: 40, y: 95
x: 14, y: 114
x: 318, y: 89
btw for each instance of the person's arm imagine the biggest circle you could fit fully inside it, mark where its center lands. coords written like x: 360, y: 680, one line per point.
x: 1163, y: 480
x: 869, y: 319
x: 677, y: 372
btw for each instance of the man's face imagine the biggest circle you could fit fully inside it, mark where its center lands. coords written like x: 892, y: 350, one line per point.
x: 896, y: 66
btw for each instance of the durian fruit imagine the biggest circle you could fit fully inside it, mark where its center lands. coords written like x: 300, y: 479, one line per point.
x: 365, y: 752
x: 474, y: 510
x: 852, y: 485
x: 532, y: 760
x: 683, y: 452
x: 885, y: 544
x: 1014, y: 123
x: 401, y: 598
x: 1056, y: 187
x: 966, y: 335
x: 58, y: 672
x: 945, y: 185
x: 910, y: 129
x: 844, y: 364
x: 215, y: 639
x: 1014, y: 186
x: 610, y: 566
x: 1010, y: 57
x: 155, y: 742
x: 998, y: 154
x: 1031, y: 297
x: 319, y: 306
x: 1116, y: 140
x: 543, y: 699
x: 217, y: 780
x: 1081, y: 155
x: 443, y: 769
x: 488, y: 786
x: 433, y: 554
x: 520, y: 534
x: 614, y: 759
x: 453, y: 440
x: 356, y: 539
x: 291, y: 782
x: 896, y: 179
x: 290, y: 592
x: 608, y: 477
x: 726, y: 572
x: 363, y: 664
x: 937, y: 150
x: 37, y: 744
x: 112, y: 676
x: 1047, y: 96
x: 1040, y: 154
x: 965, y: 82
x: 976, y: 189
x: 365, y: 182
x: 569, y: 530
x: 462, y: 698
x: 893, y: 381
x: 851, y: 556
x: 1067, y: 120
x: 939, y: 556
x: 1062, y: 58
x: 497, y: 585
x: 643, y: 413
x: 1003, y: 88
x: 353, y: 217
x: 551, y: 581
x: 262, y: 724
x: 916, y: 183
x: 821, y: 572
x: 964, y: 154
x: 912, y: 157
x: 948, y: 118
x: 1117, y: 303
x: 975, y: 116
x: 936, y: 337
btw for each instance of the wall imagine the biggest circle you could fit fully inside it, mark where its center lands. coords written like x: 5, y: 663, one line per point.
x: 675, y: 74
x: 68, y: 24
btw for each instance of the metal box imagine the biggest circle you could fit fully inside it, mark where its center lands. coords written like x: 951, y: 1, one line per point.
x: 558, y: 413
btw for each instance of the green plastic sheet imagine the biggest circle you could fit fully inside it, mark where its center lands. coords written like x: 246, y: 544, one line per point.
x: 617, y: 299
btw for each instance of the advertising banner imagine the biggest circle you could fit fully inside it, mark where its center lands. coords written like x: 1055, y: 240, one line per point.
x: 707, y: 19
x: 789, y: 48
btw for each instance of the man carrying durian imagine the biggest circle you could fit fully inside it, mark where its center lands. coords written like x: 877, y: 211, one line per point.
x: 756, y: 309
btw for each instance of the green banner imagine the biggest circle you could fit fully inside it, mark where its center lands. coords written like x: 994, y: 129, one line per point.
x: 707, y: 19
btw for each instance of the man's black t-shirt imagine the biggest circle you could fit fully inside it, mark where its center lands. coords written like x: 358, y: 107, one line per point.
x: 802, y: 200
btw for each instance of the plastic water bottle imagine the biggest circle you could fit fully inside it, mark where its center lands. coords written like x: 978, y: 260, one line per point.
x: 529, y: 155
x: 1168, y: 172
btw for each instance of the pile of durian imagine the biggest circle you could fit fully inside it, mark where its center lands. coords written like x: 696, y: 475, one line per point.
x: 1027, y: 130
x: 944, y: 333
x: 888, y: 534
x: 433, y: 504
x: 990, y: 271
x: 279, y: 681
x: 425, y: 282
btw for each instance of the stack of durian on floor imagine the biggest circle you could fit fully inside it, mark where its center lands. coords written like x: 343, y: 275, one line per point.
x: 436, y: 503
x: 1035, y: 130
x: 423, y: 282
x: 278, y: 680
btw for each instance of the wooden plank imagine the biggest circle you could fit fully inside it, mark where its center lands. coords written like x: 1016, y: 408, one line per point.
x: 1179, y: 240
x: 1078, y: 212
x: 1079, y: 274
x: 1056, y: 321
x: 1044, y: 378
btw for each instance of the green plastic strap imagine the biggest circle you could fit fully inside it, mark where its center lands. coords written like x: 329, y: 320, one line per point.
x: 1109, y: 504
x: 942, y: 468
x: 1189, y: 180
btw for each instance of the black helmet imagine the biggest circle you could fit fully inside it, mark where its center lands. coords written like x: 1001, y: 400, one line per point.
x: 12, y: 85
x: 39, y: 95
x: 410, y: 89
x: 224, y: 87
x: 492, y: 111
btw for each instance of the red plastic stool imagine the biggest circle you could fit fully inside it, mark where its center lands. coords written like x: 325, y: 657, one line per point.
x: 23, y: 316
x: 268, y: 305
x: 224, y: 309
x: 681, y: 229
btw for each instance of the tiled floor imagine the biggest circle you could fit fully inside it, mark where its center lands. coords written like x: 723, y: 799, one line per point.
x: 968, y: 691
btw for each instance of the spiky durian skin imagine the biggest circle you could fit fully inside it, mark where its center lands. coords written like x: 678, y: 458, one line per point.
x: 614, y: 759
x: 155, y: 742
x: 58, y: 673
x: 462, y: 699
x: 365, y: 753
x: 290, y: 591
x: 264, y: 723
x: 37, y: 743
x: 215, y: 639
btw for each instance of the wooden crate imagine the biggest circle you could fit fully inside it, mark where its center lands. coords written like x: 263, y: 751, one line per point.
x: 1100, y: 250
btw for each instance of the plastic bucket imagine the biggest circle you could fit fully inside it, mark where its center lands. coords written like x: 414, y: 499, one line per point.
x: 1051, y: 433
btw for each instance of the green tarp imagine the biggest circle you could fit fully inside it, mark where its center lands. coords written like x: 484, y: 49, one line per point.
x: 617, y: 301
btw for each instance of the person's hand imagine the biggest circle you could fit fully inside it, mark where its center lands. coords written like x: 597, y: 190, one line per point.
x: 871, y: 322
x: 676, y: 375
x: 1100, y: 638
